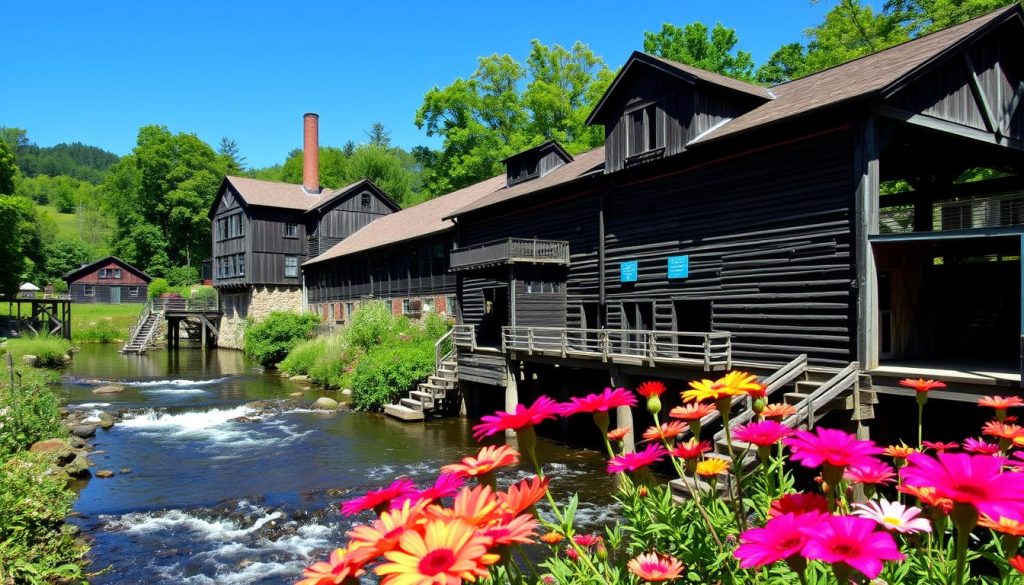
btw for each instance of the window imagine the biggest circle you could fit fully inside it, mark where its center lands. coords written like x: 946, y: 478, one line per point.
x: 90, y: 291
x: 291, y: 230
x: 103, y: 272
x: 364, y: 199
x: 642, y: 130
x: 406, y: 306
x: 349, y: 309
x: 241, y: 265
x: 291, y: 266
x: 117, y: 273
x: 331, y: 311
x: 449, y: 305
x: 133, y: 291
x: 428, y: 305
x: 232, y: 226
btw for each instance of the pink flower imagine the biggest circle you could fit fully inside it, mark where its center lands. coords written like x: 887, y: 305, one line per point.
x: 653, y: 568
x: 874, y: 473
x: 571, y: 553
x: 939, y: 446
x: 632, y: 461
x: 801, y: 503
x: 379, y: 500
x: 780, y: 539
x: 831, y: 446
x: 691, y: 449
x: 586, y: 540
x: 980, y: 446
x: 975, y: 480
x: 447, y: 485
x: 603, y: 402
x: 852, y: 541
x: 921, y: 385
x: 893, y: 516
x: 541, y: 410
x: 762, y: 434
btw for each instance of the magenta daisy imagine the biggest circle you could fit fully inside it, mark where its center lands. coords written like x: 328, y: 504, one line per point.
x: 379, y: 500
x: 874, y: 473
x: 976, y: 480
x: 633, y: 461
x: 836, y: 448
x: 850, y: 541
x: 780, y: 539
x: 762, y: 434
x: 603, y: 402
x: 980, y: 446
x: 541, y: 410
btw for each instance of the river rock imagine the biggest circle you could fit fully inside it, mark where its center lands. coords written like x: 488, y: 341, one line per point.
x: 285, y: 375
x: 325, y: 403
x: 78, y: 467
x: 77, y: 442
x: 299, y: 378
x: 111, y: 389
x: 295, y: 394
x: 57, y: 451
x: 29, y: 359
x: 346, y: 392
x: 125, y: 470
x: 66, y: 359
x: 104, y: 473
x: 106, y: 421
x: 83, y: 431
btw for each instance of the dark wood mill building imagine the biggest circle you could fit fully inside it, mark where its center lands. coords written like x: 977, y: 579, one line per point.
x: 830, y: 230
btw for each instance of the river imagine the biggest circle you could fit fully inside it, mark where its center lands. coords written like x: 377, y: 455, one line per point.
x: 208, y: 491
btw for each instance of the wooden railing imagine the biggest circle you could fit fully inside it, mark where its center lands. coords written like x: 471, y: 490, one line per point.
x: 808, y: 408
x: 711, y: 350
x: 443, y: 348
x: 778, y: 380
x: 510, y: 250
x: 204, y: 305
x: 464, y: 336
x: 147, y: 310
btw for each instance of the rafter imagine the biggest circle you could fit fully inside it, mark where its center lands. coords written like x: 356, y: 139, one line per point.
x: 979, y: 96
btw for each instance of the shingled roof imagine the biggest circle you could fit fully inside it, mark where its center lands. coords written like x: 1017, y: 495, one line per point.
x: 291, y: 196
x: 427, y: 218
x: 876, y: 74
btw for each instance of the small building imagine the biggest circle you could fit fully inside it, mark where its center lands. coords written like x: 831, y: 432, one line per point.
x: 108, y: 280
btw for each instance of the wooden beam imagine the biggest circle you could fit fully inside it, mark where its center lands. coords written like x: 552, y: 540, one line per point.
x: 979, y: 96
x: 1007, y: 120
x: 931, y: 123
x: 866, y: 169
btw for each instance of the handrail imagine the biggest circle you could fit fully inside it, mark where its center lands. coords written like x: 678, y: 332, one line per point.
x: 806, y: 408
x: 439, y: 352
x: 144, y: 314
x: 779, y: 379
x: 464, y: 336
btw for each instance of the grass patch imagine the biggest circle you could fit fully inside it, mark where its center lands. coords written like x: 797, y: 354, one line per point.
x: 100, y: 323
x: 49, y: 351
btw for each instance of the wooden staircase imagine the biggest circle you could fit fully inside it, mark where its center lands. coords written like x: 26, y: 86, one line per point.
x: 814, y: 392
x: 141, y: 334
x: 439, y: 394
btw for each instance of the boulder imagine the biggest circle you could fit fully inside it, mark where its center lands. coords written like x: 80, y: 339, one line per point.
x: 299, y: 378
x: 83, y: 431
x: 295, y: 394
x: 77, y: 442
x: 29, y: 359
x: 106, y: 421
x: 78, y: 467
x: 104, y: 473
x: 57, y: 451
x: 111, y: 389
x: 325, y: 403
x: 285, y: 375
x: 66, y: 359
x: 346, y: 392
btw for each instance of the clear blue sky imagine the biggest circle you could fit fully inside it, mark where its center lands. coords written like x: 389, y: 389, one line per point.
x: 94, y: 72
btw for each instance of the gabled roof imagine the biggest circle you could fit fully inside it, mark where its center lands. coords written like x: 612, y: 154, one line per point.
x: 683, y: 72
x: 875, y: 75
x: 86, y: 268
x: 290, y: 196
x: 546, y: 145
x: 429, y: 217
x: 357, y: 187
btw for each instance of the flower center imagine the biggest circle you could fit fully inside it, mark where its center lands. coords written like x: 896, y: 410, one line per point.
x: 844, y: 549
x: 892, y: 521
x: 437, y: 561
x: 971, y: 491
x: 790, y: 543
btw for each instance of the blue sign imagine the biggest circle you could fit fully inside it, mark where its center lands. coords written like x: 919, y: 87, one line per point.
x: 678, y: 266
x: 627, y: 271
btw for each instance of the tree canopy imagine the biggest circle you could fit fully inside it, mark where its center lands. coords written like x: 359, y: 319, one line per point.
x: 711, y: 50
x: 505, y: 107
x: 77, y: 160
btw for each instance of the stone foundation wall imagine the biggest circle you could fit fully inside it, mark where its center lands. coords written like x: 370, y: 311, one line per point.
x: 256, y: 304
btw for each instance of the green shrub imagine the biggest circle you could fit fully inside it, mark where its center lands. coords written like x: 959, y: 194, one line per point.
x: 302, y: 357
x: 157, y: 287
x: 336, y: 366
x: 29, y: 413
x: 205, y: 293
x: 372, y: 323
x: 35, y: 545
x: 49, y: 351
x: 183, y: 275
x: 269, y: 341
x: 102, y: 331
x: 386, y: 372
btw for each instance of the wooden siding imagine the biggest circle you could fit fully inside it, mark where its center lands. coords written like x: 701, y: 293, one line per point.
x: 540, y: 299
x: 385, y: 272
x: 127, y: 276
x: 336, y: 221
x: 102, y: 293
x: 482, y: 368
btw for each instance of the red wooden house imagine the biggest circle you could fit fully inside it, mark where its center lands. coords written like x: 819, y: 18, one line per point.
x: 109, y: 280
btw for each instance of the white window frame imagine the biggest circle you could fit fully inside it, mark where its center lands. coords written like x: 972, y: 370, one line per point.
x: 291, y: 271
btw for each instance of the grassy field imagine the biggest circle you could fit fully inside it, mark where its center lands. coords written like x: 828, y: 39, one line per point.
x: 97, y: 323
x: 90, y: 226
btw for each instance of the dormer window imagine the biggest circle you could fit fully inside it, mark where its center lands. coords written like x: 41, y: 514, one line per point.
x: 364, y: 200
x: 535, y: 162
x: 642, y: 130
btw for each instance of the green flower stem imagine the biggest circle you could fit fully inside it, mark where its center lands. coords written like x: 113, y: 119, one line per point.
x: 922, y: 397
x: 741, y: 520
x: 695, y: 491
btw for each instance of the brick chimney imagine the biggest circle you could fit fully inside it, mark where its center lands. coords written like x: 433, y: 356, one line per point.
x: 311, y: 153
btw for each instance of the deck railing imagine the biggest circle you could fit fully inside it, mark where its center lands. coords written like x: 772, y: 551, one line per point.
x: 509, y: 251
x: 464, y: 336
x: 444, y: 348
x: 710, y: 350
x: 204, y: 305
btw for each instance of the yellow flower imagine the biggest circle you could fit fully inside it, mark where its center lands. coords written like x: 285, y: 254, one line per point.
x: 732, y: 384
x: 712, y: 467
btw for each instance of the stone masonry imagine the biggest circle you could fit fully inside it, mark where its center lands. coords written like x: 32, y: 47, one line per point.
x: 255, y: 304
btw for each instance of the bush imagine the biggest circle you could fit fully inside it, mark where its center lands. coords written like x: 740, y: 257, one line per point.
x: 372, y: 324
x: 270, y: 340
x: 157, y: 287
x: 49, y: 351
x: 205, y: 293
x: 29, y: 413
x: 302, y: 357
x: 102, y: 331
x: 388, y: 371
x: 35, y: 545
x: 183, y: 275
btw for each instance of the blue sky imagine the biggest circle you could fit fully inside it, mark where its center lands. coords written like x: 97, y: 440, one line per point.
x: 96, y: 71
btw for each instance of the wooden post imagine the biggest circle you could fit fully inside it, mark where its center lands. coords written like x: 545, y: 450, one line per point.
x: 623, y: 414
x: 511, y: 398
x: 866, y: 225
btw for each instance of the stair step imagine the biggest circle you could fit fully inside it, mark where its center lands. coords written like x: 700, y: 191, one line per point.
x: 446, y: 375
x: 440, y: 382
x: 411, y: 403
x: 806, y: 386
x: 423, y: 397
x: 793, y: 398
x: 402, y: 412
x: 435, y: 387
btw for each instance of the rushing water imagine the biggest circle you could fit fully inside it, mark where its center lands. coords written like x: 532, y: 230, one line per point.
x: 209, y: 490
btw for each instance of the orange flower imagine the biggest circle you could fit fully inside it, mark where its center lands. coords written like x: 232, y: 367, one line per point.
x: 619, y: 433
x: 370, y: 541
x: 669, y: 430
x: 552, y: 538
x: 650, y: 389
x: 927, y: 496
x: 712, y: 467
x: 1000, y: 402
x: 447, y: 552
x: 476, y: 506
x: 487, y: 460
x: 921, y: 385
x: 339, y: 568
x: 760, y: 392
x: 995, y: 428
x: 692, y: 411
x: 522, y: 495
x: 732, y: 384
x: 652, y: 567
x: 1017, y: 562
x: 899, y: 451
x: 515, y: 531
x: 778, y: 411
x: 1004, y: 525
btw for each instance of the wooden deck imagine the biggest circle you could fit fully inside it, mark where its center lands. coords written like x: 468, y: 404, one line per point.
x: 511, y: 251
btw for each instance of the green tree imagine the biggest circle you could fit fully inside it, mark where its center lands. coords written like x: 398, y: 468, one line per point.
x: 233, y: 158
x: 333, y: 167
x: 695, y: 45
x: 385, y: 169
x: 785, y: 64
x: 379, y: 136
x: 160, y: 195
x: 925, y: 16
x: 21, y: 237
x: 64, y: 254
x: 7, y: 169
x: 851, y: 30
x: 505, y: 107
